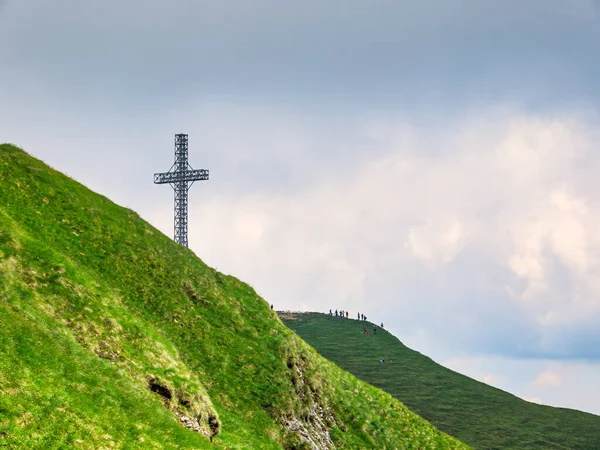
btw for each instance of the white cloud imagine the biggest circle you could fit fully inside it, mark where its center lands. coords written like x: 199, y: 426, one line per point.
x: 512, y: 192
x: 548, y: 379
x: 493, y: 380
x: 537, y: 400
x: 433, y: 245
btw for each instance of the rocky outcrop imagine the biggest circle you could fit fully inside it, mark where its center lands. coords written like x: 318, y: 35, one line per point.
x: 311, y: 419
x: 312, y: 429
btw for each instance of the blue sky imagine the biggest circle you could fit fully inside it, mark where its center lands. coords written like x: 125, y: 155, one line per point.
x: 432, y: 165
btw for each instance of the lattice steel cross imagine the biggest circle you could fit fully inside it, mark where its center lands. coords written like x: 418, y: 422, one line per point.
x: 181, y: 176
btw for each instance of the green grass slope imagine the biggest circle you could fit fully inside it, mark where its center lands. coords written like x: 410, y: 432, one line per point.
x: 113, y: 336
x: 478, y: 414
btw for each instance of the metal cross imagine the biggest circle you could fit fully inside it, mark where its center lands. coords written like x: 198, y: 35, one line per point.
x: 181, y: 176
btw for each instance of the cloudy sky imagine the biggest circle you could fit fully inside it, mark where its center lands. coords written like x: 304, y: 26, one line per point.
x: 433, y: 164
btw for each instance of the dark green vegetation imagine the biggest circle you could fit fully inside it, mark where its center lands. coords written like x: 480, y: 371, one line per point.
x: 478, y: 414
x: 113, y: 336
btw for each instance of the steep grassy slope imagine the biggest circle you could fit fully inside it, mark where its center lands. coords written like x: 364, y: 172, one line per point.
x: 480, y: 415
x: 113, y: 336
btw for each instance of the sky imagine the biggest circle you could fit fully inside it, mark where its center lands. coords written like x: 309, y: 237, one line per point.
x: 432, y: 165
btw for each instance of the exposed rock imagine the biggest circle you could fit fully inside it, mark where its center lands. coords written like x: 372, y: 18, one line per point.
x: 311, y: 419
x: 313, y: 429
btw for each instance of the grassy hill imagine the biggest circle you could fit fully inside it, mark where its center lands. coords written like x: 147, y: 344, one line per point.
x: 113, y: 336
x: 480, y: 415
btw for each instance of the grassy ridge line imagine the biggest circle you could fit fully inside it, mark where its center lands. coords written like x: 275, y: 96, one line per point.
x: 480, y: 415
x: 99, y: 309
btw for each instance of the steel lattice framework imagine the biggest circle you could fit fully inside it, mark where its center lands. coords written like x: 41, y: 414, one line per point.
x: 181, y: 176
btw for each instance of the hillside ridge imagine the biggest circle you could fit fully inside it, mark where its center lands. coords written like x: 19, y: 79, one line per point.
x: 480, y: 415
x: 114, y: 336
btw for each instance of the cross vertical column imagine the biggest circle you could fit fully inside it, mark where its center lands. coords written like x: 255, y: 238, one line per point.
x: 181, y: 190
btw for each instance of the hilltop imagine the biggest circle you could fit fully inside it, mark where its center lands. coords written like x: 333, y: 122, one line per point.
x: 480, y: 415
x: 114, y: 336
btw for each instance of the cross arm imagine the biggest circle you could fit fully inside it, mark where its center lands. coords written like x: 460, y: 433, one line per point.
x: 174, y: 177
